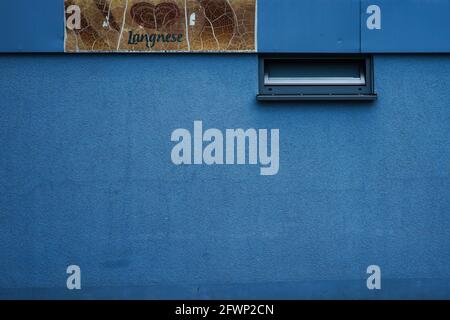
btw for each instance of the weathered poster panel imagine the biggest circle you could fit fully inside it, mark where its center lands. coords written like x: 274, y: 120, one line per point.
x: 160, y: 25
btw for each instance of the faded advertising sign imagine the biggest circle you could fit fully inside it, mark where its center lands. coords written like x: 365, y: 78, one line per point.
x: 160, y: 25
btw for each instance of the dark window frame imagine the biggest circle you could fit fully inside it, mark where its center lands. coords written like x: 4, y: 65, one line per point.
x: 298, y: 92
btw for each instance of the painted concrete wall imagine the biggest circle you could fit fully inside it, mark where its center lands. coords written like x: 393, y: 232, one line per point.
x: 86, y: 178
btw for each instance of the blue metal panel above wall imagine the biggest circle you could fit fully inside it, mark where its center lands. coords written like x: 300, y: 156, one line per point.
x: 32, y: 26
x: 407, y: 26
x: 309, y: 26
x: 335, y: 26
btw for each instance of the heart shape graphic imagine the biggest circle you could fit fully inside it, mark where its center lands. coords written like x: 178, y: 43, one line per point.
x: 156, y: 17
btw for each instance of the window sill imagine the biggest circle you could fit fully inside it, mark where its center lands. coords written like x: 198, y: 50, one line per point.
x: 316, y: 97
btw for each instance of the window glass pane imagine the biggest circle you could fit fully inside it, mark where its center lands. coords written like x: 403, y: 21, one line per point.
x: 314, y: 71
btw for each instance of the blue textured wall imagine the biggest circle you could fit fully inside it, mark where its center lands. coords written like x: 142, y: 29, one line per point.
x: 86, y: 178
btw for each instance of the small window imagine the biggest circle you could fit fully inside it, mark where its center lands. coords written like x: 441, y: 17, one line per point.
x: 284, y: 77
